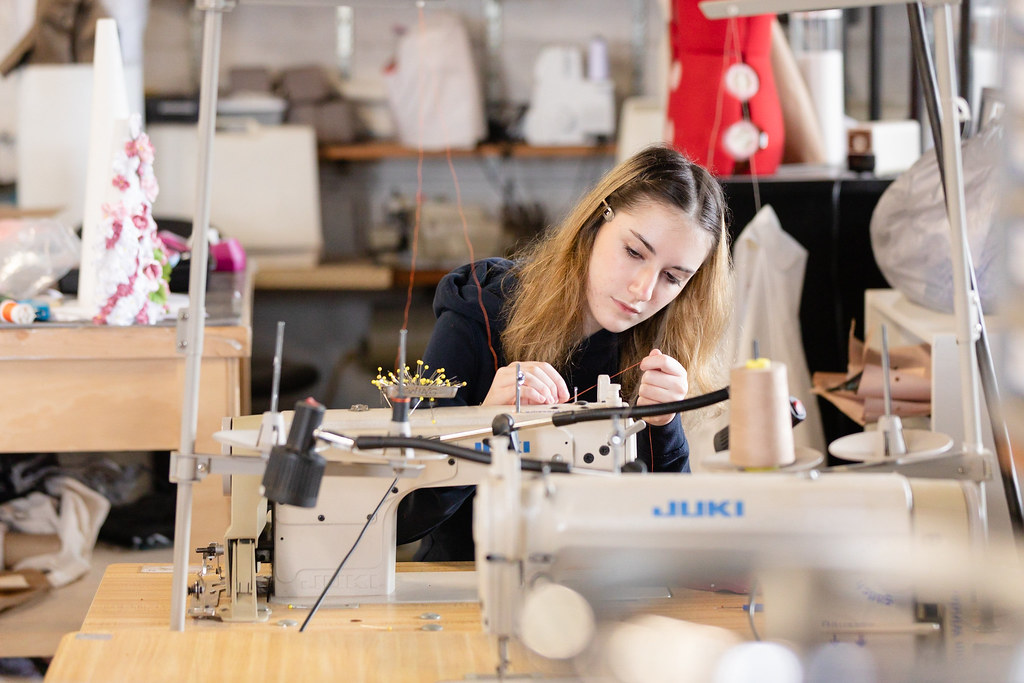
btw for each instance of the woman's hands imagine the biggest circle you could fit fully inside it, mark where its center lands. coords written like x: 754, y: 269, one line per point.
x: 541, y: 385
x: 664, y: 380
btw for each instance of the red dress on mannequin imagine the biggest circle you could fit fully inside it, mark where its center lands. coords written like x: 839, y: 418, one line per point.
x: 700, y: 109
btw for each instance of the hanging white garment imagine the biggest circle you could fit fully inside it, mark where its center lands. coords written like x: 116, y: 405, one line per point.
x: 769, y: 266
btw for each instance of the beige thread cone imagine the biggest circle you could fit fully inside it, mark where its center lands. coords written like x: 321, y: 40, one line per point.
x: 760, y: 427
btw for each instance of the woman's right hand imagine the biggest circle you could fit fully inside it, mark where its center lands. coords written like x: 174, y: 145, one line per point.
x: 541, y: 384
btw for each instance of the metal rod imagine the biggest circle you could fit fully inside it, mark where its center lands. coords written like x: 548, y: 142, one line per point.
x: 986, y: 363
x: 402, y: 334
x: 963, y: 302
x: 964, y: 60
x: 886, y: 388
x: 926, y: 75
x: 875, y: 64
x: 519, y: 384
x: 275, y: 386
x: 183, y: 465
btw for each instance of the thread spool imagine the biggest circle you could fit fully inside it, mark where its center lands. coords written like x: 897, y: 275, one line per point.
x: 817, y: 42
x: 597, y: 60
x: 760, y: 428
x: 16, y: 312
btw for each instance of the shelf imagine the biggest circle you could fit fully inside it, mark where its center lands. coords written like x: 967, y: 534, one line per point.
x: 375, y: 151
x: 326, y: 276
x: 340, y: 277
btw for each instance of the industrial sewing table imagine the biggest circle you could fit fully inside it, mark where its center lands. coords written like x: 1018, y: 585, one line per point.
x: 126, y: 637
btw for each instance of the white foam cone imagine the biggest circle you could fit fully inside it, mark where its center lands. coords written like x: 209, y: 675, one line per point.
x: 109, y: 105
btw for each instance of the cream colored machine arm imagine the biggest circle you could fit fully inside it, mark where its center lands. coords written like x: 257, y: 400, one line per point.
x: 828, y: 536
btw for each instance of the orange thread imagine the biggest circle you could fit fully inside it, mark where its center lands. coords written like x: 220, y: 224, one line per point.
x: 613, y: 376
x: 472, y: 253
x: 419, y: 212
x: 650, y: 443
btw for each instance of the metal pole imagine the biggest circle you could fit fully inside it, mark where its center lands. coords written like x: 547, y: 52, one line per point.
x: 185, y: 467
x: 964, y: 304
x: 875, y: 64
x: 989, y: 383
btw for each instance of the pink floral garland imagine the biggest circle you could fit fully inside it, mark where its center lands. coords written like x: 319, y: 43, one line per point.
x: 133, y: 270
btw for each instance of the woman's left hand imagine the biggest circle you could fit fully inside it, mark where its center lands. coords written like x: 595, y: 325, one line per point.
x: 664, y: 380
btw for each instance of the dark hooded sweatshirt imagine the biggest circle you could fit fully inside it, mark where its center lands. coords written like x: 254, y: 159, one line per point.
x: 442, y: 516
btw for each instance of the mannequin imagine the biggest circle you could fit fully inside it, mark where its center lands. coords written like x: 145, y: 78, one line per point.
x: 701, y: 108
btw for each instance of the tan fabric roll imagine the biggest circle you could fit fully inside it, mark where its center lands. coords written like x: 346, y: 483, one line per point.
x: 760, y: 427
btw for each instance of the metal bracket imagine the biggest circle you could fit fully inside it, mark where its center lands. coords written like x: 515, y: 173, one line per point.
x: 189, y: 468
x: 181, y: 331
x: 961, y: 466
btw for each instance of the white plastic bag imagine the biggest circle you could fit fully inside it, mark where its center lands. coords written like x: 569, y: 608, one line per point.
x: 34, y: 254
x: 910, y: 232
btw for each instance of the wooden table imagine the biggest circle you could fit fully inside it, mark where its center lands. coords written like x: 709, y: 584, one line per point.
x: 83, y: 387
x: 126, y: 637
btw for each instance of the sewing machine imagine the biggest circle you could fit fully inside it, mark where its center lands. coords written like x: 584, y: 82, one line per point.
x: 601, y: 536
x: 899, y: 567
x: 819, y: 548
x: 309, y: 542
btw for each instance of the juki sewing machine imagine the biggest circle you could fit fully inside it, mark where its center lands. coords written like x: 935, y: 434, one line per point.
x: 556, y: 507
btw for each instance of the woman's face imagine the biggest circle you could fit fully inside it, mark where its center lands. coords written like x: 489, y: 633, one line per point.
x: 640, y: 262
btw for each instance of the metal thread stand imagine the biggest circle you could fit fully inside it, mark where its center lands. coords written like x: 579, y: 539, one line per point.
x: 186, y: 468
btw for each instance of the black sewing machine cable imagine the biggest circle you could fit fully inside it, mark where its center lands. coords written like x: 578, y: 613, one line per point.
x: 574, y: 416
x: 369, y: 520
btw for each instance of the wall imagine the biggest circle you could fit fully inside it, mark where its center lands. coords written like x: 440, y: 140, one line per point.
x: 298, y: 35
x: 354, y: 195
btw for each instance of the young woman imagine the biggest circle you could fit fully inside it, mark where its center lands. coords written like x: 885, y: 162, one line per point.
x: 635, y: 281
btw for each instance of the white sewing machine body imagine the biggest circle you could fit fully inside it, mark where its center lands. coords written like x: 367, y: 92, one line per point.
x: 832, y: 557
x: 310, y: 542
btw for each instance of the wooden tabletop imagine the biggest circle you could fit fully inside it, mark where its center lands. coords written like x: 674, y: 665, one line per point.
x: 76, y: 387
x: 126, y: 636
x: 279, y: 655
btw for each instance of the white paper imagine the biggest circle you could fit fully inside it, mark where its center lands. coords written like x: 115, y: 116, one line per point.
x: 109, y: 106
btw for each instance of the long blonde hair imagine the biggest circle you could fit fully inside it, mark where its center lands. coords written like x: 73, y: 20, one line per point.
x: 545, y: 316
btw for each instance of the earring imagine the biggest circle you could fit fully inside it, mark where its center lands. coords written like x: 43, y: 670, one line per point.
x: 608, y: 213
